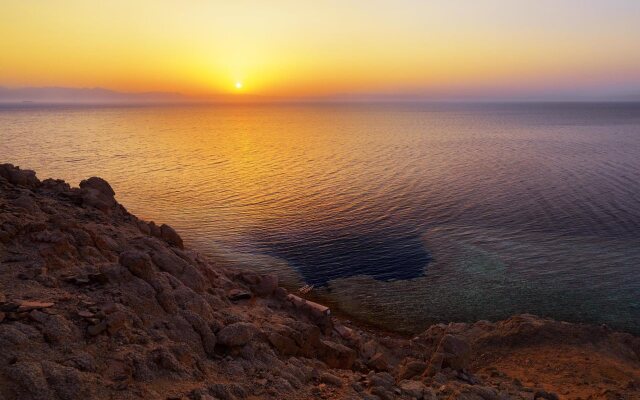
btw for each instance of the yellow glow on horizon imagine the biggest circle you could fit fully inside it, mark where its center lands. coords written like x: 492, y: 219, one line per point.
x: 330, y: 47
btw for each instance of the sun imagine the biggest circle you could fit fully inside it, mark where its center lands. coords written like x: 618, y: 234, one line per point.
x: 238, y: 85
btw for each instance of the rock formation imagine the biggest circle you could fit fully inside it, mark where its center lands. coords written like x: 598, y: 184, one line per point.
x: 96, y: 303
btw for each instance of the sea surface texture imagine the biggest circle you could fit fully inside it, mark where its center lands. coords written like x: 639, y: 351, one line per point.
x: 402, y: 215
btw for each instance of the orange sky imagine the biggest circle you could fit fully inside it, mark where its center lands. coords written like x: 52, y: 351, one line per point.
x: 319, y: 48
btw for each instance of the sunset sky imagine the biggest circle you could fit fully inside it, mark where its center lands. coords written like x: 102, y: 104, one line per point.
x: 465, y: 48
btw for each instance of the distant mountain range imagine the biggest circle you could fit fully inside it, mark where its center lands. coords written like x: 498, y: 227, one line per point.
x: 65, y: 95
x: 88, y: 95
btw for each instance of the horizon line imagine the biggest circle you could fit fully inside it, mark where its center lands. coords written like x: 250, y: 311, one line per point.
x: 53, y: 95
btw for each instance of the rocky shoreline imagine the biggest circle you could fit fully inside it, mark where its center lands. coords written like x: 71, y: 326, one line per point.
x: 96, y: 303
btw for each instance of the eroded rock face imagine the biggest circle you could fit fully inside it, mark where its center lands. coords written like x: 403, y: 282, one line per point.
x: 96, y: 303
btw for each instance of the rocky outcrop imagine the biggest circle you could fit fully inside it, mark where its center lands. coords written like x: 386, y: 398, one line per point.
x: 96, y: 303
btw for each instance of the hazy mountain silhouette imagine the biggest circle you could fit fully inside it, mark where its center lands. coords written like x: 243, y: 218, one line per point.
x: 83, y: 95
x: 66, y: 95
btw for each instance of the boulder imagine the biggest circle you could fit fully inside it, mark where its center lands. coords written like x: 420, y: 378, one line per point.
x: 116, y: 321
x: 345, y: 332
x: 380, y: 379
x: 29, y: 381
x: 169, y: 262
x: 20, y: 177
x: 414, y: 389
x: 238, y: 294
x: 284, y: 345
x: 486, y: 393
x: 97, y: 193
x: 266, y: 285
x: 67, y: 382
x: 307, y: 336
x: 411, y: 369
x: 98, y: 184
x: 154, y: 229
x: 429, y: 394
x: 379, y: 362
x: 382, y: 393
x: 207, y: 336
x: 237, y: 334
x: 541, y: 394
x: 330, y: 379
x: 169, y: 235
x: 452, y: 352
x: 138, y: 263
x: 25, y: 202
x: 336, y: 355
x: 58, y: 330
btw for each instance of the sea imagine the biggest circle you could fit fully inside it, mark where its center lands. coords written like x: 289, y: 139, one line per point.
x: 401, y: 215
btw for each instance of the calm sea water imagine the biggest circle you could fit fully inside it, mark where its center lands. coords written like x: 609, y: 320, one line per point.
x: 403, y: 215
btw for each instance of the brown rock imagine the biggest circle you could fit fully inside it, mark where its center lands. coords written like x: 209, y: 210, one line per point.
x: 330, y: 379
x: 67, y: 382
x: 154, y: 229
x: 414, y: 389
x: 138, y: 263
x: 429, y: 394
x: 98, y: 184
x: 33, y: 305
x: 336, y: 355
x: 285, y: 346
x: 452, y: 352
x: 266, y: 285
x: 541, y: 394
x: 58, y: 330
x: 97, y: 193
x: 281, y: 293
x: 237, y: 295
x: 412, y: 369
x: 369, y: 348
x: 382, y: 393
x: 486, y: 393
x: 169, y: 235
x: 379, y: 362
x: 25, y: 202
x: 116, y: 322
x: 237, y: 334
x: 97, y: 329
x: 207, y: 337
x: 192, y: 278
x: 345, y: 332
x: 38, y: 316
x: 106, y: 243
x: 381, y: 379
x: 86, y: 314
x: 144, y: 227
x: 28, y: 379
x: 307, y: 336
x: 169, y: 262
x: 20, y: 177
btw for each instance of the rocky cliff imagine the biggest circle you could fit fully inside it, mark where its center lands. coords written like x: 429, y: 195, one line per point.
x: 96, y: 303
